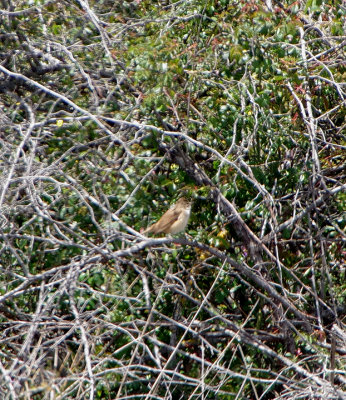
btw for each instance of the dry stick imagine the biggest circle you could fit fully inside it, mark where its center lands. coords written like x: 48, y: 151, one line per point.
x: 64, y: 99
x: 221, y: 354
x: 319, y: 201
x: 28, y: 10
x: 235, y: 332
x: 239, y: 335
x: 16, y: 157
x: 8, y: 379
x: 250, y: 236
x: 242, y: 268
x: 219, y: 368
x: 193, y: 170
x: 246, y: 271
x: 173, y: 354
x: 244, y: 226
x: 250, y: 239
x: 139, y: 341
x: 332, y: 358
x: 252, y: 242
x: 71, y: 281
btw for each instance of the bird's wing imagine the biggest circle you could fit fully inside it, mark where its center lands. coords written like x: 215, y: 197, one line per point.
x: 167, y: 219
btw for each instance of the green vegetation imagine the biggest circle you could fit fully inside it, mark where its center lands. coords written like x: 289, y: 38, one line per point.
x: 109, y: 111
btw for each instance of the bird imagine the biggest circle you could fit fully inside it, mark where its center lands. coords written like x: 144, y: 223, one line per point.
x: 174, y: 220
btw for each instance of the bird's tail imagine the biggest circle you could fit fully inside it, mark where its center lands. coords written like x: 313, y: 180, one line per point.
x: 150, y: 229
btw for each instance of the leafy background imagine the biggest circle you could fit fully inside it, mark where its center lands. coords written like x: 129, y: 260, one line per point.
x: 108, y: 111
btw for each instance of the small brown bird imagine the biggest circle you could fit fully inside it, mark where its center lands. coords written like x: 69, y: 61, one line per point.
x: 174, y: 220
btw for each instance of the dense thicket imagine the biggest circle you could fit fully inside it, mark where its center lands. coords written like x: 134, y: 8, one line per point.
x: 108, y: 111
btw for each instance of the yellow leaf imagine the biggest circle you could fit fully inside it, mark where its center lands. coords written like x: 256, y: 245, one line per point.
x: 222, y: 234
x: 59, y: 122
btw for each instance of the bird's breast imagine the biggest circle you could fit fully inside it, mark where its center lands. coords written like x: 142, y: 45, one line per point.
x: 180, y: 224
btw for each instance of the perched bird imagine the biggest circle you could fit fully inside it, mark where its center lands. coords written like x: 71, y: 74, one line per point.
x: 174, y: 220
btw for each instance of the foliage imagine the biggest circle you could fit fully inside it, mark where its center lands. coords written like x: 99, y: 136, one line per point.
x: 109, y: 110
